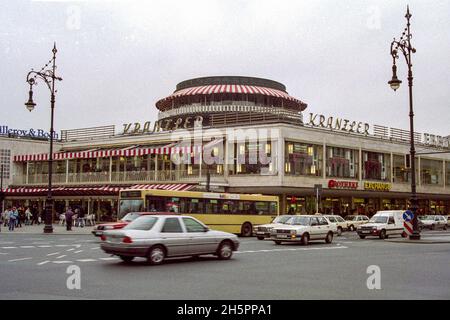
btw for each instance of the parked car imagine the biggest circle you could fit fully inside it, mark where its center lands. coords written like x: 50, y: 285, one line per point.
x: 353, y: 221
x: 263, y: 231
x: 302, y: 229
x: 157, y: 237
x: 383, y: 224
x: 339, y: 222
x: 434, y: 222
x: 100, y: 228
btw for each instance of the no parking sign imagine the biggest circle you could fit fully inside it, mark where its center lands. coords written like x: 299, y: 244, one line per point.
x: 407, y: 225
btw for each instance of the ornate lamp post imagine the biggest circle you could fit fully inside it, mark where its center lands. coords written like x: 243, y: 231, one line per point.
x: 404, y: 45
x: 49, y: 76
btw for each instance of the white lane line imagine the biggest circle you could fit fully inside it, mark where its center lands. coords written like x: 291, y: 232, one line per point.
x: 86, y: 260
x: 62, y: 245
x: 43, y: 262
x: 67, y: 239
x: 95, y: 248
x: 70, y: 249
x: 40, y: 242
x: 9, y: 247
x: 61, y: 261
x: 52, y: 254
x: 3, y: 253
x: 293, y: 249
x: 64, y: 255
x: 27, y: 247
x: 44, y: 246
x: 110, y: 258
x: 78, y: 251
x: 21, y: 259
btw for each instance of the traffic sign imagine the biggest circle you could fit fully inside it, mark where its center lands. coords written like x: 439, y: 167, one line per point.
x: 408, y: 215
x: 408, y: 227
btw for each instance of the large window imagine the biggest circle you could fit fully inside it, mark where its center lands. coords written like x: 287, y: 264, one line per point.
x: 376, y: 166
x: 400, y: 171
x: 303, y: 159
x: 253, y: 158
x: 5, y: 161
x: 431, y: 172
x: 342, y: 162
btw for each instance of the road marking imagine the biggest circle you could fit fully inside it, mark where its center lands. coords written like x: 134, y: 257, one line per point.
x: 21, y: 259
x: 78, y: 251
x: 62, y: 245
x: 43, y: 262
x: 86, y: 260
x: 9, y: 247
x: 44, y: 246
x: 52, y: 254
x: 95, y: 248
x: 61, y: 261
x: 40, y: 242
x: 27, y: 247
x: 70, y: 249
x: 64, y: 255
x: 67, y: 239
x: 110, y: 258
x: 3, y: 253
x: 293, y: 249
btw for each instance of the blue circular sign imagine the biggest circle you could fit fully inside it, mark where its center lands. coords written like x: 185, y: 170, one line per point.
x: 408, y: 215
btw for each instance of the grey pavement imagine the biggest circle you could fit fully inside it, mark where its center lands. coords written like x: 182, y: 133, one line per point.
x: 39, y: 229
x: 34, y: 266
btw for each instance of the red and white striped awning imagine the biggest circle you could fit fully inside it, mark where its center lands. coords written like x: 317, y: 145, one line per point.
x: 229, y: 88
x: 126, y: 152
x: 63, y: 190
x: 171, y: 186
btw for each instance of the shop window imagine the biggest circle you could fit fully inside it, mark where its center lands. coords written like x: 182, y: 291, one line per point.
x: 400, y: 170
x: 431, y: 172
x: 342, y: 162
x: 303, y: 159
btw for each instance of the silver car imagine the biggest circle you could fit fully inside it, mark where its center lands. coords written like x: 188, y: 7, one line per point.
x: 157, y: 237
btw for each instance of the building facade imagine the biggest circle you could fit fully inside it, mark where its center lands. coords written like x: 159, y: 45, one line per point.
x: 238, y: 134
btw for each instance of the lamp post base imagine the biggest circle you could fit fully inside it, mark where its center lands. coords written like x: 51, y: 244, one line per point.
x: 415, y: 235
x: 48, y: 229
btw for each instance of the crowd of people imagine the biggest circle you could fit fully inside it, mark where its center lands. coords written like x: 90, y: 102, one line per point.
x: 17, y: 217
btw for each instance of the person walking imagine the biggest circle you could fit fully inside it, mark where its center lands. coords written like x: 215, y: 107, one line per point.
x: 13, y: 214
x: 28, y: 216
x: 69, y: 214
x: 34, y: 213
x: 80, y: 217
x: 20, y: 216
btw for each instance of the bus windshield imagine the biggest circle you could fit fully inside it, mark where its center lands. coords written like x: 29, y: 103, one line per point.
x: 130, y: 205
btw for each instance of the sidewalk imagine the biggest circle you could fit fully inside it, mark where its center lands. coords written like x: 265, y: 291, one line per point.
x: 424, y: 239
x: 39, y: 229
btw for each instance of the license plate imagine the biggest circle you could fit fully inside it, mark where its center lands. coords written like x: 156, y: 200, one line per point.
x: 365, y: 231
x: 282, y: 236
x: 260, y: 233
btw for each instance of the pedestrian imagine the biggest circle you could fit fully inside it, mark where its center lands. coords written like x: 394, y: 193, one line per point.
x: 28, y: 216
x: 80, y: 217
x: 69, y: 214
x: 6, y: 216
x: 13, y: 215
x: 21, y: 217
x: 34, y: 213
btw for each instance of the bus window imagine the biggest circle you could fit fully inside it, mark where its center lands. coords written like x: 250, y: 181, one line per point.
x: 130, y: 205
x: 212, y: 206
x: 262, y: 207
x: 273, y: 208
x: 155, y: 204
x: 229, y: 207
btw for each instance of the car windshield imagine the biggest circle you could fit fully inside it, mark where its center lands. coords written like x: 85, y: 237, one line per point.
x: 281, y: 219
x: 302, y: 221
x: 340, y: 219
x: 379, y: 219
x: 142, y: 223
x: 131, y: 216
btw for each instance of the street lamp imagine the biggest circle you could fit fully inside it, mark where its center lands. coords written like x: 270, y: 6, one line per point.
x: 48, y: 75
x: 404, y: 45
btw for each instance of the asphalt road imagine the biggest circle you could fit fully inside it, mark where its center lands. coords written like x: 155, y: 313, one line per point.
x: 34, y: 267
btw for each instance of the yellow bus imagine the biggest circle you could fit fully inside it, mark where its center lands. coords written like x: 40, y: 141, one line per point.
x: 230, y: 212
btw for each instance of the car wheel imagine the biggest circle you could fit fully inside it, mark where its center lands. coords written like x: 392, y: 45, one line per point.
x: 305, y: 239
x: 246, y: 230
x: 339, y: 231
x: 156, y: 255
x: 329, y: 238
x: 260, y: 238
x: 362, y: 237
x: 126, y: 258
x: 277, y: 242
x: 225, y: 250
x: 383, y: 234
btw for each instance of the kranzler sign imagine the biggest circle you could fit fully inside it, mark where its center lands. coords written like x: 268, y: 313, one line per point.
x: 377, y: 186
x: 162, y: 125
x: 338, y: 124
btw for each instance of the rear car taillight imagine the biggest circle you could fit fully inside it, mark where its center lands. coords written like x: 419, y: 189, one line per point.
x: 127, y: 240
x: 103, y: 237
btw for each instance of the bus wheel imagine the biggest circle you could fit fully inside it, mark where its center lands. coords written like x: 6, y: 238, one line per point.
x: 260, y: 238
x: 246, y: 230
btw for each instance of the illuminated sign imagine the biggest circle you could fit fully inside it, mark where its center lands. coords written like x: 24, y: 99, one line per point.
x: 337, y: 184
x: 338, y: 124
x: 377, y: 186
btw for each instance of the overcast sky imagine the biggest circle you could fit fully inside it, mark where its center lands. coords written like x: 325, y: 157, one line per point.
x: 117, y: 58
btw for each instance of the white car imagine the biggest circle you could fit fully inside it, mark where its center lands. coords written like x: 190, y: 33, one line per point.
x: 383, y: 224
x: 354, y: 221
x: 303, y: 228
x: 263, y: 231
x: 339, y: 222
x: 434, y: 222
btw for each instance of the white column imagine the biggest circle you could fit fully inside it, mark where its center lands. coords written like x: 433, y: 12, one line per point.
x: 26, y: 178
x: 324, y: 165
x: 110, y: 168
x: 360, y: 164
x: 392, y: 168
x: 156, y: 167
x: 67, y: 170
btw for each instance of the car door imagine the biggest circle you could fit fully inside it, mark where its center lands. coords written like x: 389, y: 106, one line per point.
x: 200, y: 238
x: 324, y: 227
x: 315, y: 231
x: 174, y: 237
x: 390, y: 228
